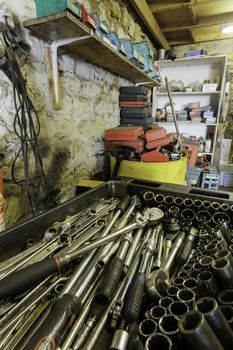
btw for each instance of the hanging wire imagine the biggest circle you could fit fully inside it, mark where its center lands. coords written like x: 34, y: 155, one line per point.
x: 27, y: 128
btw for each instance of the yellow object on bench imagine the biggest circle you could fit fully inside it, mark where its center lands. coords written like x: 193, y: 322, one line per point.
x: 171, y: 172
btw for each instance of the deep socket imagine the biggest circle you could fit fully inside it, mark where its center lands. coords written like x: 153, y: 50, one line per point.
x: 158, y: 341
x: 227, y: 311
x: 172, y: 292
x: 196, y: 332
x: 206, y: 261
x: 223, y: 273
x: 147, y: 327
x: 225, y: 297
x: 149, y: 198
x: 157, y: 312
x: 168, y: 325
x: 159, y: 198
x: 178, y: 201
x: 209, y: 308
x: 165, y: 302
x: 178, y: 309
x: 207, y: 284
x: 186, y: 296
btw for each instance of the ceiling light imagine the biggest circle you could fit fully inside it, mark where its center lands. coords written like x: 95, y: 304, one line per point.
x: 227, y: 29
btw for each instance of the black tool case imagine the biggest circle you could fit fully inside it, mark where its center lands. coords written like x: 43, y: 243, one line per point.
x: 13, y: 240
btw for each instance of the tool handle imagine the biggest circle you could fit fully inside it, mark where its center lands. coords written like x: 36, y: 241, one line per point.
x: 60, y: 319
x: 26, y: 278
x: 133, y: 300
x: 124, y: 203
x: 109, y: 281
x: 184, y: 252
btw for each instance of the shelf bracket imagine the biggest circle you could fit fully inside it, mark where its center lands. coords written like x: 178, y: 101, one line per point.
x: 51, y: 58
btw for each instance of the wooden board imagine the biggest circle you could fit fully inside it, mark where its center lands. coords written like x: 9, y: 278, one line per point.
x: 101, y: 54
x: 65, y: 25
x: 62, y: 25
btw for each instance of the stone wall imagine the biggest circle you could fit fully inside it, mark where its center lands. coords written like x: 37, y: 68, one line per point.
x: 221, y: 47
x: 71, y: 137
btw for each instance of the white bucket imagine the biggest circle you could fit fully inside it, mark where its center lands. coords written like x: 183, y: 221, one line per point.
x: 225, y: 149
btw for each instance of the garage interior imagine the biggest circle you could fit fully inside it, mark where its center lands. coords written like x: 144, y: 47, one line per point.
x: 116, y: 174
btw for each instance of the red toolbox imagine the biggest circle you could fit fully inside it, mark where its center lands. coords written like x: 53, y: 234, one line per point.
x: 124, y: 133
x: 154, y: 156
x: 161, y: 142
x: 133, y: 104
x: 138, y: 145
x: 155, y: 134
x: 192, y: 150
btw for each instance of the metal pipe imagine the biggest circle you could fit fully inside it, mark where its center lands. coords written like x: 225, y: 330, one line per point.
x: 197, y: 203
x: 209, y: 308
x: 196, y: 332
x: 158, y: 341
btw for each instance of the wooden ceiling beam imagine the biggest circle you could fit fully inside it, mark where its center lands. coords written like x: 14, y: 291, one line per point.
x: 192, y: 15
x: 203, y: 22
x: 165, y: 6
x: 148, y: 18
x: 201, y: 39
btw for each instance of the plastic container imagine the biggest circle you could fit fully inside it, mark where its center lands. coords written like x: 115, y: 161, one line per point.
x: 170, y: 172
x: 45, y: 7
x: 124, y: 133
x: 225, y: 149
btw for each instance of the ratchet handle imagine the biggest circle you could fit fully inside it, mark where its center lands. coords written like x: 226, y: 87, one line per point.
x: 124, y: 203
x: 109, y: 281
x: 51, y: 332
x: 184, y: 252
x: 134, y: 296
x: 26, y: 278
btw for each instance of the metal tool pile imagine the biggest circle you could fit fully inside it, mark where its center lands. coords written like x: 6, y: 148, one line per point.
x: 154, y: 272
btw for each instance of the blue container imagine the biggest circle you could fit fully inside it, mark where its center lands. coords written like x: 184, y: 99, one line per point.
x: 46, y: 8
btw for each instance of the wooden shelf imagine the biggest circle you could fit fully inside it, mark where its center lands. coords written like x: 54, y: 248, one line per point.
x: 186, y: 122
x: 188, y: 93
x: 64, y: 25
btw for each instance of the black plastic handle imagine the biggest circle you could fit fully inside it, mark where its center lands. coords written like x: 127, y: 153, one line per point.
x: 60, y: 319
x: 133, y: 300
x: 109, y: 281
x: 124, y: 203
x: 184, y: 252
x: 26, y: 278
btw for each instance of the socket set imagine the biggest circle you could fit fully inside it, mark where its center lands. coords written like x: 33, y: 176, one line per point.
x: 128, y: 265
